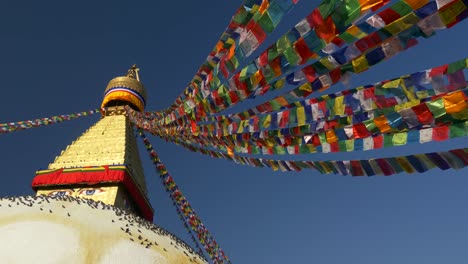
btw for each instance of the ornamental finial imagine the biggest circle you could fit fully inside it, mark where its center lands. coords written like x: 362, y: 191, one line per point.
x: 133, y: 72
x: 125, y: 90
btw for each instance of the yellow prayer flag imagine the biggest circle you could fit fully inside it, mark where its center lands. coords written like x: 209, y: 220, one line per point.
x: 422, y: 94
x: 327, y: 63
x: 270, y: 142
x: 306, y: 87
x: 400, y: 139
x: 326, y: 167
x: 267, y: 121
x: 301, y: 119
x: 402, y: 23
x: 274, y: 165
x: 280, y: 83
x: 408, y: 93
x: 360, y: 64
x: 392, y: 84
x: 339, y: 106
x: 449, y: 14
x: 241, y: 126
x: 356, y: 32
x: 407, y: 105
x: 405, y: 164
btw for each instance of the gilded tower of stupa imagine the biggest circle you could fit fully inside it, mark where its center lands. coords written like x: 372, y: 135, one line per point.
x: 103, y: 164
x: 91, y: 203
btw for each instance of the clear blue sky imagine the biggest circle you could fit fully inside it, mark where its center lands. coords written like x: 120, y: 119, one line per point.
x: 56, y: 57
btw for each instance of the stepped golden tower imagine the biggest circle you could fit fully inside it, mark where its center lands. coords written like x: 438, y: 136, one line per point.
x: 103, y: 164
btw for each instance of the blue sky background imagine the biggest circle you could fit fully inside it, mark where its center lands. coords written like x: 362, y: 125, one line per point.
x: 56, y: 58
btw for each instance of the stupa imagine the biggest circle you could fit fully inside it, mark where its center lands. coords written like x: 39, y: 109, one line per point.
x: 91, y: 203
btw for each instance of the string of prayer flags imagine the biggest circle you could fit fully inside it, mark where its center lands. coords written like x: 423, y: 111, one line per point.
x: 352, y: 106
x: 291, y: 45
x: 190, y: 218
x: 249, y: 27
x: 452, y: 159
x: 323, y: 142
x: 421, y: 80
x: 374, y: 99
x: 400, y: 38
x: 351, y: 138
x: 22, y: 125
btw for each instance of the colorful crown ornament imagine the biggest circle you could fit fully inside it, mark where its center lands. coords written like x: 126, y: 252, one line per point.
x: 125, y: 90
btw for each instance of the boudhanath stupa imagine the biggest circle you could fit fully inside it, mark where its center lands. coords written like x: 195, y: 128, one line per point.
x: 91, y: 203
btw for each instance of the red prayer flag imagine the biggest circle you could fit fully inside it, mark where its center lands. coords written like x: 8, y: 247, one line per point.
x: 423, y: 114
x: 461, y: 154
x: 356, y: 169
x: 438, y: 70
x: 440, y: 133
x: 257, y: 30
x: 263, y: 59
x: 309, y: 73
x: 303, y: 50
x: 389, y: 16
x: 338, y: 41
x: 335, y: 75
x: 284, y: 121
x: 334, y: 147
x: 360, y: 131
x: 234, y: 97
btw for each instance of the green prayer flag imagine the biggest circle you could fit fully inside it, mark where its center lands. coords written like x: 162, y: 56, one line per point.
x: 242, y: 17
x: 402, y: 8
x: 388, y: 140
x: 348, y: 38
x: 282, y: 44
x: 456, y: 66
x: 342, y: 145
x: 266, y: 23
x: 272, y: 53
x: 292, y: 56
x: 459, y: 130
x: 437, y: 107
x: 275, y: 12
x: 370, y: 125
x: 349, y: 145
x: 322, y: 137
x: 326, y: 8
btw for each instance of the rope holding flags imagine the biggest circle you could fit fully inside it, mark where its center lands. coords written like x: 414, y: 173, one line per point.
x: 188, y: 214
x: 22, y: 125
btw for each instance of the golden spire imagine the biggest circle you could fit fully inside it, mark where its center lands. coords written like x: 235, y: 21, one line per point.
x: 103, y: 163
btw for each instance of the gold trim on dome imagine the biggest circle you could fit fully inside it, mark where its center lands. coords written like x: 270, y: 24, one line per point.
x: 129, y: 82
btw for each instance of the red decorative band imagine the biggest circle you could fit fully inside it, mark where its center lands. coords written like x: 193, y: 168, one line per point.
x: 95, y: 175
